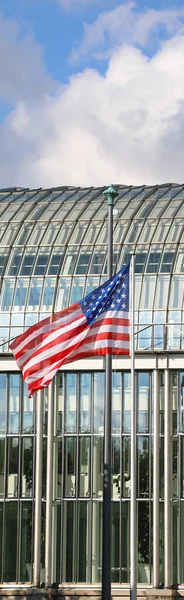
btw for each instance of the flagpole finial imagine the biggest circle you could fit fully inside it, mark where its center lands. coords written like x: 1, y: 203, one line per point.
x: 110, y: 193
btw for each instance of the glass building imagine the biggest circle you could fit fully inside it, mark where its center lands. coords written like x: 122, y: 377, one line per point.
x: 53, y: 252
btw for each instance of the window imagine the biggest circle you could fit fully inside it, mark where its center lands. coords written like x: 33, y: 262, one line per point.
x: 2, y: 261
x: 83, y: 263
x: 27, y: 264
x: 97, y: 262
x: 140, y: 262
x: 15, y: 262
x: 153, y: 262
x: 167, y: 262
x: 41, y: 264
x: 54, y: 264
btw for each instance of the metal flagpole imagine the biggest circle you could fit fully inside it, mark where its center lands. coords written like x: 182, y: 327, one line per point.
x: 49, y: 486
x: 38, y: 488
x: 110, y: 193
x: 133, y: 508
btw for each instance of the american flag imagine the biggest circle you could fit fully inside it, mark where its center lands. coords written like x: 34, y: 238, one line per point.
x: 97, y: 325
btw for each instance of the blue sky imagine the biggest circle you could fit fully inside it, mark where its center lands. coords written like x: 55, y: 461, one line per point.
x: 69, y: 79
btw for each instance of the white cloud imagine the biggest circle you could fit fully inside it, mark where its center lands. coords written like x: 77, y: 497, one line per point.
x: 126, y: 126
x: 125, y: 24
x: 22, y: 70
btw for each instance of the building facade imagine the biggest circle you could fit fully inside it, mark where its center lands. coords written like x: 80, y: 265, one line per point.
x: 53, y: 252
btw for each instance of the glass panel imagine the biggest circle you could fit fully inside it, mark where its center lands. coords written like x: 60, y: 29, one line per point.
x: 126, y: 486
x: 116, y: 402
x: 179, y: 264
x: 161, y: 467
x: 92, y: 283
x: 28, y: 414
x: 182, y: 542
x: 83, y: 262
x: 174, y: 329
x: 176, y: 293
x: 115, y: 543
x: 153, y: 262
x: 145, y: 332
x: 63, y: 289
x: 60, y: 401
x: 167, y: 262
x: 85, y: 402
x: 97, y: 542
x: 99, y: 391
x: 148, y: 290
x: 98, y: 261
x: 59, y: 462
x: 161, y: 231
x: 7, y: 293
x: 162, y: 288
x: 55, y: 263
x: 143, y: 402
x: 174, y: 537
x: 77, y: 289
x: 174, y: 397
x: 83, y: 542
x: 97, y: 467
x: 2, y: 259
x: 37, y: 233
x: 161, y: 545
x: 34, y: 294
x: 140, y: 260
x: 116, y: 467
x: 161, y: 403
x: 70, y: 408
x: 26, y: 542
x: 143, y: 467
x: 42, y: 262
x: 20, y: 294
x: 48, y: 294
x: 15, y: 262
x: 68, y: 536
x: 14, y: 399
x: 13, y: 460
x: 144, y: 550
x: 10, y: 558
x: 125, y: 542
x: 70, y: 260
x: 3, y: 403
x: 127, y: 403
x: 2, y: 457
x: 28, y: 261
x: 84, y: 467
x: 70, y: 466
x: 27, y: 467
x: 175, y: 460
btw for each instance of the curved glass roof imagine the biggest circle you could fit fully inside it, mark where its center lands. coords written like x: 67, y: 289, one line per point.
x: 53, y: 251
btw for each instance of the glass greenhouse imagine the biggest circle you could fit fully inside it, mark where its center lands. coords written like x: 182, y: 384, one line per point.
x: 53, y: 252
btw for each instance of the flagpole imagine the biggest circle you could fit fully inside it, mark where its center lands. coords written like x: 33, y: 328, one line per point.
x: 38, y: 488
x: 133, y: 508
x: 110, y: 193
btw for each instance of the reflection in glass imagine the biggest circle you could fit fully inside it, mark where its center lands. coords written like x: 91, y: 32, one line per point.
x: 96, y: 542
x: 34, y: 294
x: 26, y: 542
x: 143, y: 402
x: 7, y: 293
x: 143, y: 467
x: 28, y: 411
x: 116, y: 466
x: 77, y: 289
x: 116, y: 402
x: 10, y: 558
x: 85, y: 402
x: 71, y: 400
x: 83, y: 544
x: 70, y: 466
x: 1, y: 536
x: 115, y: 543
x: 27, y: 467
x: 14, y: 398
x: 13, y: 460
x: 126, y: 469
x: 84, y: 466
x: 60, y: 401
x: 63, y: 289
x: 144, y: 556
x: 2, y: 457
x: 68, y: 550
x: 3, y: 403
x: 59, y: 462
x: 148, y: 291
x: 175, y: 459
x: 98, y: 450
x: 125, y: 542
x: 127, y: 403
x: 99, y: 391
x: 48, y: 294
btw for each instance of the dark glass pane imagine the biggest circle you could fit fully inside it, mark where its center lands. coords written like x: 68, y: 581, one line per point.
x: 59, y: 467
x: 97, y: 467
x: 97, y: 263
x: 2, y: 261
x: 97, y: 542
x: 167, y: 262
x: 41, y: 264
x: 2, y: 457
x: 13, y: 458
x: 14, y: 267
x: 26, y: 543
x: 83, y: 262
x: 70, y: 466
x: 116, y: 466
x: 27, y: 264
x: 140, y: 262
x: 125, y: 542
x: 1, y: 538
x: 27, y: 467
x: 125, y: 467
x: 68, y: 551
x: 144, y: 551
x: 58, y: 544
x: 60, y: 401
x: 54, y: 264
x: 115, y: 542
x: 153, y: 262
x: 84, y: 466
x: 83, y: 542
x: 143, y: 467
x: 10, y: 550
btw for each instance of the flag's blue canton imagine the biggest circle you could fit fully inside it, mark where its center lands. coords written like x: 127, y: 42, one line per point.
x: 112, y: 295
